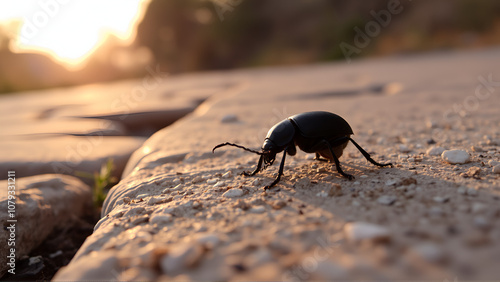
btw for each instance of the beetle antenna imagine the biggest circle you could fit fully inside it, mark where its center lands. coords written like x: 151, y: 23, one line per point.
x: 236, y: 145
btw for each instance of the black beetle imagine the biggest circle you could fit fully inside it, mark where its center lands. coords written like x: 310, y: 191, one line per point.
x: 323, y: 133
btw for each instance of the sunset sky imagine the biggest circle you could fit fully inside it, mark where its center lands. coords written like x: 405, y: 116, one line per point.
x: 69, y: 31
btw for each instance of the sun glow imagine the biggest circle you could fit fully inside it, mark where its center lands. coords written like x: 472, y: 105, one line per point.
x: 69, y: 31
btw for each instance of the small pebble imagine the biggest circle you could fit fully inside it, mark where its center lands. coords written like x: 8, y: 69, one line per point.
x: 493, y: 163
x: 496, y: 169
x: 403, y: 148
x: 481, y: 222
x: 197, y: 179
x: 439, y: 199
x: 161, y: 219
x: 462, y: 190
x: 278, y: 204
x: 476, y: 149
x: 455, y: 156
x: 209, y: 240
x: 435, y: 211
x: 212, y: 181
x: 335, y: 190
x: 409, y: 194
x: 219, y: 184
x: 429, y: 252
x: 431, y: 124
x: 435, y: 151
x: 35, y: 260
x: 56, y: 254
x: 240, y: 204
x: 322, y: 194
x: 229, y: 118
x: 257, y: 209
x: 358, y: 231
x: 181, y: 257
x: 232, y: 193
x: 478, y: 207
x: 391, y: 182
x: 228, y: 174
x: 386, y: 200
x: 177, y: 187
x: 320, y: 169
x: 471, y: 192
x: 154, y: 201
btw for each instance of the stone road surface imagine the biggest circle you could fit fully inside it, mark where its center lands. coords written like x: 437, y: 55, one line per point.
x: 182, y: 212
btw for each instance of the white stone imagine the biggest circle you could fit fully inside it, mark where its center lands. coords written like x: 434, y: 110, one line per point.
x: 496, y: 169
x: 209, y: 240
x: 197, y: 179
x: 471, y: 192
x: 403, y: 148
x: 257, y: 209
x: 435, y: 151
x: 391, y: 182
x: 154, y: 200
x: 455, y: 156
x: 161, y: 219
x: 429, y: 252
x: 478, y: 207
x: 493, y: 163
x: 439, y: 199
x: 181, y: 257
x: 228, y: 174
x: 219, y: 183
x: 462, y: 190
x: 482, y: 222
x: 386, y: 200
x: 322, y: 194
x: 212, y: 181
x: 232, y: 193
x: 358, y: 231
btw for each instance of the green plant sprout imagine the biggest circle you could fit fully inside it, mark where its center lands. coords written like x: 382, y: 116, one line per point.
x: 103, y: 181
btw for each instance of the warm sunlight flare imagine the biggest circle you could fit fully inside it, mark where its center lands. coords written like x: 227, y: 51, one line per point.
x: 69, y: 31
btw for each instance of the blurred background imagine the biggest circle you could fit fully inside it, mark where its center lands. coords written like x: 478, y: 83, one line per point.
x: 53, y: 43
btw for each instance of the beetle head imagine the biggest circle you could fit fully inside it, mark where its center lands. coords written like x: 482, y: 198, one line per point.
x: 269, y: 149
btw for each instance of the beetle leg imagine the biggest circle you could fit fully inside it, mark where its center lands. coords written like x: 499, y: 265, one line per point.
x: 367, y: 156
x: 336, y: 160
x: 319, y: 158
x: 280, y: 172
x: 257, y: 169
